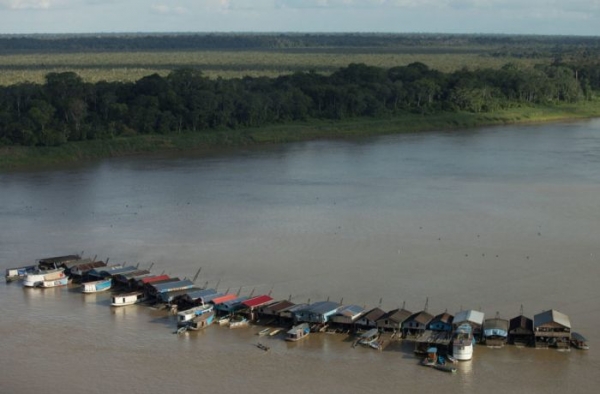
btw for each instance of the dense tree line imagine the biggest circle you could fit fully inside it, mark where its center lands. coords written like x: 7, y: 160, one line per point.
x: 517, y: 45
x: 65, y: 108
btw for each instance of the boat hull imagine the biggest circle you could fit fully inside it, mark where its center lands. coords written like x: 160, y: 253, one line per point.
x: 37, y: 279
x: 127, y: 299
x: 96, y: 286
x: 54, y: 283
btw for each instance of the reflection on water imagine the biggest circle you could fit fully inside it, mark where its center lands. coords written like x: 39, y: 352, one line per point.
x: 488, y: 219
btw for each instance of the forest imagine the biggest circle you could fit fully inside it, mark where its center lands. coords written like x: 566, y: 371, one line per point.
x: 65, y: 108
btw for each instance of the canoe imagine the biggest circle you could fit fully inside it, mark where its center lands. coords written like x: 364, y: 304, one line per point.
x: 263, y: 332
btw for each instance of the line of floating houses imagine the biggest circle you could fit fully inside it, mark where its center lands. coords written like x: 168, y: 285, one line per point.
x: 198, y: 307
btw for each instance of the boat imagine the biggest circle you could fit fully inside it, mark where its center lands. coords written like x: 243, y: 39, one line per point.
x: 451, y: 359
x: 369, y: 337
x: 298, y: 332
x: 224, y: 320
x: 444, y: 368
x: 462, y: 343
x: 263, y: 332
x: 275, y: 332
x: 127, y: 298
x: 185, y: 316
x: 375, y: 345
x: 578, y: 341
x: 18, y: 273
x: 181, y: 330
x: 54, y: 282
x: 262, y: 347
x: 37, y: 278
x: 238, y: 322
x: 96, y: 286
x: 202, y: 321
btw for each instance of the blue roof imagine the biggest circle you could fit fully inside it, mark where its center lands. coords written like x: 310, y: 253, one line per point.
x: 172, y: 286
x: 350, y: 310
x: 197, y: 294
x: 322, y: 307
x: 231, y: 304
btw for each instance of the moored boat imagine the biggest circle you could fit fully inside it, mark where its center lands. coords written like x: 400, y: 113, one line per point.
x: 462, y: 343
x: 369, y: 337
x: 18, y: 273
x: 275, y: 332
x: 298, y: 332
x: 202, y: 321
x: 578, y: 341
x: 263, y: 332
x: 238, y: 322
x: 38, y: 277
x: 127, y: 298
x: 54, y: 282
x: 96, y: 286
x: 185, y: 316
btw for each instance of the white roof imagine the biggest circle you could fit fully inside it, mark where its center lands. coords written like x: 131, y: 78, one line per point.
x: 471, y: 316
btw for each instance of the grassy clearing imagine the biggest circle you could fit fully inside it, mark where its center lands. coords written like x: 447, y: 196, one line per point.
x: 24, y: 157
x: 120, y: 66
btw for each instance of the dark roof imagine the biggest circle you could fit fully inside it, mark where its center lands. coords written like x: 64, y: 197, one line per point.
x: 442, y: 318
x: 495, y: 323
x: 397, y: 315
x: 521, y: 324
x: 374, y: 314
x: 280, y: 306
x: 420, y: 317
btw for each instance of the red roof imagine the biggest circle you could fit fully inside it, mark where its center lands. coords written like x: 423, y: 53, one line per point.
x: 224, y: 298
x: 257, y: 301
x: 151, y: 279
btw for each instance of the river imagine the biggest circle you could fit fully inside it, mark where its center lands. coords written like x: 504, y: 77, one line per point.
x: 491, y: 219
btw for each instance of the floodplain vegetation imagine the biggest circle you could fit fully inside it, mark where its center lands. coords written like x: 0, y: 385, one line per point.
x: 65, y: 98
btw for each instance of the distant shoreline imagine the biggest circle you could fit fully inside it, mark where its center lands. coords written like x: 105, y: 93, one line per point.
x: 16, y: 157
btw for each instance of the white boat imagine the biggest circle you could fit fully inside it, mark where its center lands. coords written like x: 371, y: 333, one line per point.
x: 224, y: 320
x: 369, y: 337
x: 128, y: 298
x: 96, y: 286
x: 462, y: 343
x: 578, y: 341
x: 263, y: 332
x: 37, y: 278
x: 275, y: 332
x: 238, y: 323
x: 187, y: 315
x: 18, y: 273
x: 298, y: 332
x: 55, y: 282
x: 202, y: 321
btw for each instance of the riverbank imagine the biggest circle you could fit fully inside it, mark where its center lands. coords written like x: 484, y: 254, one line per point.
x: 15, y: 157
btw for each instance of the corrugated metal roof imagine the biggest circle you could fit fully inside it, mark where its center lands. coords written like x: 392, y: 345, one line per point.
x: 374, y: 314
x: 280, y: 306
x: 469, y: 315
x: 551, y: 316
x: 294, y: 308
x: 168, y: 296
x: 156, y: 278
x: 322, y: 307
x: 350, y: 311
x: 397, y: 315
x: 443, y: 317
x: 232, y: 303
x: 257, y: 301
x: 201, y: 293
x: 495, y: 324
x: 421, y: 317
x: 224, y: 298
x: 173, y: 286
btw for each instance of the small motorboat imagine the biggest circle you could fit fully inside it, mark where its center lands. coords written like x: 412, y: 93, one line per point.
x: 262, y: 347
